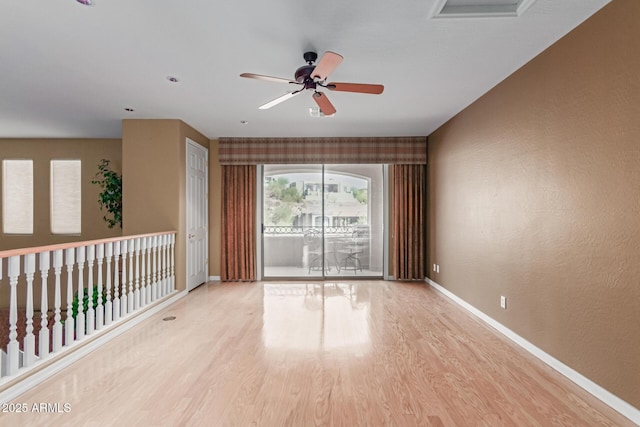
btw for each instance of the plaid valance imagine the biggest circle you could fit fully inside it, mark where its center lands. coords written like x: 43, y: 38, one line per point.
x: 392, y: 150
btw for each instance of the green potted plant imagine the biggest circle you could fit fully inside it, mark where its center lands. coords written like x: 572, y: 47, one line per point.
x: 85, y: 301
x: 110, y: 198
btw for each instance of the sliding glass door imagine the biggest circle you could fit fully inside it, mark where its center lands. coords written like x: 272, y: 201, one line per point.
x: 323, y: 221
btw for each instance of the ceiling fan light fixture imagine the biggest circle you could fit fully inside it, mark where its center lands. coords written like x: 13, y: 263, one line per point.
x: 317, y: 112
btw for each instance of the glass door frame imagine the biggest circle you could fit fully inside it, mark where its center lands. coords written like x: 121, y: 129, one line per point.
x: 259, y: 218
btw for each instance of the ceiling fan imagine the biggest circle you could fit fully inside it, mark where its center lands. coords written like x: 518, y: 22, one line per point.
x: 312, y: 77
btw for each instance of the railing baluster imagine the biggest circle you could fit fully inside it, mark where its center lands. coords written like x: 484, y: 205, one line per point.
x: 131, y: 245
x: 91, y: 310
x: 80, y: 255
x: 160, y: 270
x: 165, y: 251
x: 172, y: 239
x: 149, y: 270
x: 162, y: 265
x: 123, y: 295
x: 69, y: 326
x: 168, y: 255
x: 116, y: 281
x: 29, y: 343
x: 100, y: 307
x: 143, y: 272
x: 13, y: 271
x: 108, y: 308
x: 43, y: 336
x: 57, y: 325
x: 154, y: 286
x: 136, y: 292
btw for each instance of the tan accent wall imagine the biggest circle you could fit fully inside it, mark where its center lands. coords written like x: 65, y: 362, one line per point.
x: 534, y: 194
x: 154, y: 177
x: 215, y: 212
x: 42, y: 151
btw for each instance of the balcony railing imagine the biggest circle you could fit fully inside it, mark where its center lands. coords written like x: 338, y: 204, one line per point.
x: 61, y: 295
x: 290, y: 229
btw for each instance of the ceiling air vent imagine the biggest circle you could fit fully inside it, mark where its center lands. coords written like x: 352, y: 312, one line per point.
x: 480, y: 8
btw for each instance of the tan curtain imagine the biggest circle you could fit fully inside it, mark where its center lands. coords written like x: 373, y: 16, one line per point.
x: 238, y: 261
x: 409, y: 225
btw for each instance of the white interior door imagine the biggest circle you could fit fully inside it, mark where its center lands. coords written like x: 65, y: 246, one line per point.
x: 197, y: 214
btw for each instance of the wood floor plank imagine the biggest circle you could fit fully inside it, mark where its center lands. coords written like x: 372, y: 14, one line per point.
x: 366, y: 353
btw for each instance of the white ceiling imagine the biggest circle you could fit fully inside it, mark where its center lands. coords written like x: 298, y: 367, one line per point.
x: 68, y: 71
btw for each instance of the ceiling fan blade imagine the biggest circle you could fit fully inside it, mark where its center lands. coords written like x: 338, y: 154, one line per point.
x: 267, y: 78
x: 279, y: 99
x: 328, y: 63
x: 356, y: 87
x: 323, y: 102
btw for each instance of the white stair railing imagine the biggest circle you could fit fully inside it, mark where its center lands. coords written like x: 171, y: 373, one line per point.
x: 108, y: 307
x: 123, y: 280
x: 91, y: 310
x: 69, y: 321
x: 29, y: 344
x: 116, y: 282
x: 57, y: 325
x: 43, y: 336
x: 100, y: 306
x: 138, y: 272
x: 130, y: 293
x: 13, y: 270
x: 80, y: 326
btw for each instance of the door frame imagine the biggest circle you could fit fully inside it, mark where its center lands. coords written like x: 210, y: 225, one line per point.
x: 259, y: 222
x: 190, y: 142
x: 259, y: 235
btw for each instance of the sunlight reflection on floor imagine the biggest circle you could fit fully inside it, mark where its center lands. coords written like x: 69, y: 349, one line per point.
x: 312, y: 317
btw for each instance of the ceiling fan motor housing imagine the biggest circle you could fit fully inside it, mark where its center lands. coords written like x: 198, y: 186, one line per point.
x: 304, y: 73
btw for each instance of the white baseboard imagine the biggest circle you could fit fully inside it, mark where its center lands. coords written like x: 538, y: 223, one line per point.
x: 68, y: 359
x: 214, y: 278
x: 610, y: 399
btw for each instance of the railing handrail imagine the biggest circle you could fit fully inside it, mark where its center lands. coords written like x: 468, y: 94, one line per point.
x: 37, y: 249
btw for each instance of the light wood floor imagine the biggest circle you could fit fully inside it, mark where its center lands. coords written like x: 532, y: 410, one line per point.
x: 368, y: 353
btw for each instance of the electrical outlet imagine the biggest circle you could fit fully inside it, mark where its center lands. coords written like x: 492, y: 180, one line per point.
x: 434, y: 267
x: 437, y: 268
x: 503, y: 302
